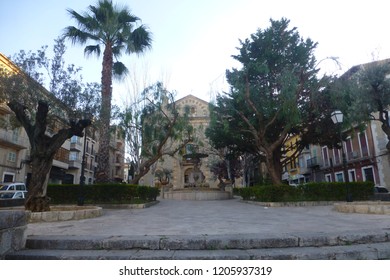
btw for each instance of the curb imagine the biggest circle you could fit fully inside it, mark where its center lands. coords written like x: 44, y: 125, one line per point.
x: 65, y: 213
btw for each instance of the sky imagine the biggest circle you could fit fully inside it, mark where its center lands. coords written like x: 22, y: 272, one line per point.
x: 194, y: 40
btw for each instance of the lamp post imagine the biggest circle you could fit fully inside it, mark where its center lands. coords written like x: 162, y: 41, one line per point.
x: 82, y: 176
x: 337, y: 118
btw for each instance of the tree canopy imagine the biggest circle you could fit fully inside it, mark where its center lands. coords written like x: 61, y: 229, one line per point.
x: 154, y: 127
x: 273, y: 95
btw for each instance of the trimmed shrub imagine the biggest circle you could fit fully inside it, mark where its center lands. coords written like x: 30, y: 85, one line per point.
x: 245, y: 193
x: 101, y: 193
x: 308, y: 192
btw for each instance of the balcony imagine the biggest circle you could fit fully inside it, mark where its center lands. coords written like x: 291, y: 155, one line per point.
x: 76, y: 143
x: 10, y: 164
x: 314, y: 162
x: 8, y: 139
x: 75, y: 164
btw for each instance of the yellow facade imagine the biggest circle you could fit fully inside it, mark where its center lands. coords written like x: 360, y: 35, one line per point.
x: 292, y: 169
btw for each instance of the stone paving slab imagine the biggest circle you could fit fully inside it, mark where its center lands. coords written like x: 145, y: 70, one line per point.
x: 172, y: 217
x: 228, y: 229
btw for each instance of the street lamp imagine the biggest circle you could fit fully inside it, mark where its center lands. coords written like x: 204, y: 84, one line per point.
x: 337, y: 118
x: 82, y: 176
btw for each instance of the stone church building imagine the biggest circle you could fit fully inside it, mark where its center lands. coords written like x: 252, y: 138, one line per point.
x: 185, y: 172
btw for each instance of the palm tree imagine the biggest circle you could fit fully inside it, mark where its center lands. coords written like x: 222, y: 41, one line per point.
x: 117, y: 31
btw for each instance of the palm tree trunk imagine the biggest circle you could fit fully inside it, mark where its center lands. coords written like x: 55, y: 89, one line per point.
x: 103, y: 169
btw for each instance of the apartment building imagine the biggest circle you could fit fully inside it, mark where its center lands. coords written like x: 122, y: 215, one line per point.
x: 13, y: 150
x: 82, y: 149
x: 67, y: 163
x: 117, y: 152
x: 365, y: 154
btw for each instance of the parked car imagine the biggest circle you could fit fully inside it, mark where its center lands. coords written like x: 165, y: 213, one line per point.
x: 381, y: 193
x: 380, y: 189
x: 13, y: 194
x: 14, y: 186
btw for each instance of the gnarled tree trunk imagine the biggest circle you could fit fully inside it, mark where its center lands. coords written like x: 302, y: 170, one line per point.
x: 43, y: 150
x: 37, y: 200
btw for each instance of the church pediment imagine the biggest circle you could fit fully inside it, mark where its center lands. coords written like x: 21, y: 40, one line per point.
x: 197, y: 107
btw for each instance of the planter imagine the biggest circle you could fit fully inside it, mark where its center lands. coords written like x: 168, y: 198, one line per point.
x: 65, y: 213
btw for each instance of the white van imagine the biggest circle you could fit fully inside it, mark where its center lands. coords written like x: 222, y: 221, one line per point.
x: 12, y: 186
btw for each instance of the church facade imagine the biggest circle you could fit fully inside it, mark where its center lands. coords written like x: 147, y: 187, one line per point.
x: 182, y: 170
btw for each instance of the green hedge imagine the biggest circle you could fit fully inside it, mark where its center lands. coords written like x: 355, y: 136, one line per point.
x: 101, y: 193
x: 308, y: 192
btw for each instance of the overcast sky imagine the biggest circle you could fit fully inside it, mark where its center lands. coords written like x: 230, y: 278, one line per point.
x: 193, y: 40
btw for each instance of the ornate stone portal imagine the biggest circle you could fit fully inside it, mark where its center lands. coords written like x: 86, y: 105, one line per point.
x: 195, y: 177
x: 195, y: 187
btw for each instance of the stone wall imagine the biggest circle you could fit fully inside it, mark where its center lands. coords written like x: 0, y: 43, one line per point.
x: 13, y: 224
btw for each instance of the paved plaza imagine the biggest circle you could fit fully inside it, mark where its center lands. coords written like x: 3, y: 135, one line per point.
x: 173, y: 217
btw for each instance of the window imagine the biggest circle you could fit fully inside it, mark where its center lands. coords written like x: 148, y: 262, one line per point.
x: 352, y: 175
x: 368, y: 174
x: 73, y: 140
x: 328, y: 178
x: 314, y: 153
x: 73, y: 156
x: 11, y: 157
x: 336, y: 156
x: 325, y: 156
x: 18, y: 195
x: 8, y: 177
x: 193, y: 110
x: 348, y: 148
x: 15, y: 135
x: 293, y: 163
x: 339, y: 177
x: 363, y: 144
x: 301, y: 162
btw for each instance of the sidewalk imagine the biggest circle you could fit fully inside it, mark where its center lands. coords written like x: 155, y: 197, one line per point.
x: 172, y: 217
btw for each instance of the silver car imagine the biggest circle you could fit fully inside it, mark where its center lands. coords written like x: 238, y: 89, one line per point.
x: 13, y: 194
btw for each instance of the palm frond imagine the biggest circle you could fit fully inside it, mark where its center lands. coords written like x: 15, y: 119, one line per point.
x: 76, y: 35
x: 92, y: 49
x: 85, y: 22
x: 103, y: 12
x: 117, y: 50
x: 125, y: 17
x: 119, y: 70
x: 139, y: 41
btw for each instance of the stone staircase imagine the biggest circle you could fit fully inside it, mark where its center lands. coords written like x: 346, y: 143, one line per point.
x: 349, y: 245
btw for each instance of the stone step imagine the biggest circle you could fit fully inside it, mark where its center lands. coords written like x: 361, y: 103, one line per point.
x: 348, y: 245
x: 368, y: 245
x: 375, y: 251
x: 204, y: 242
